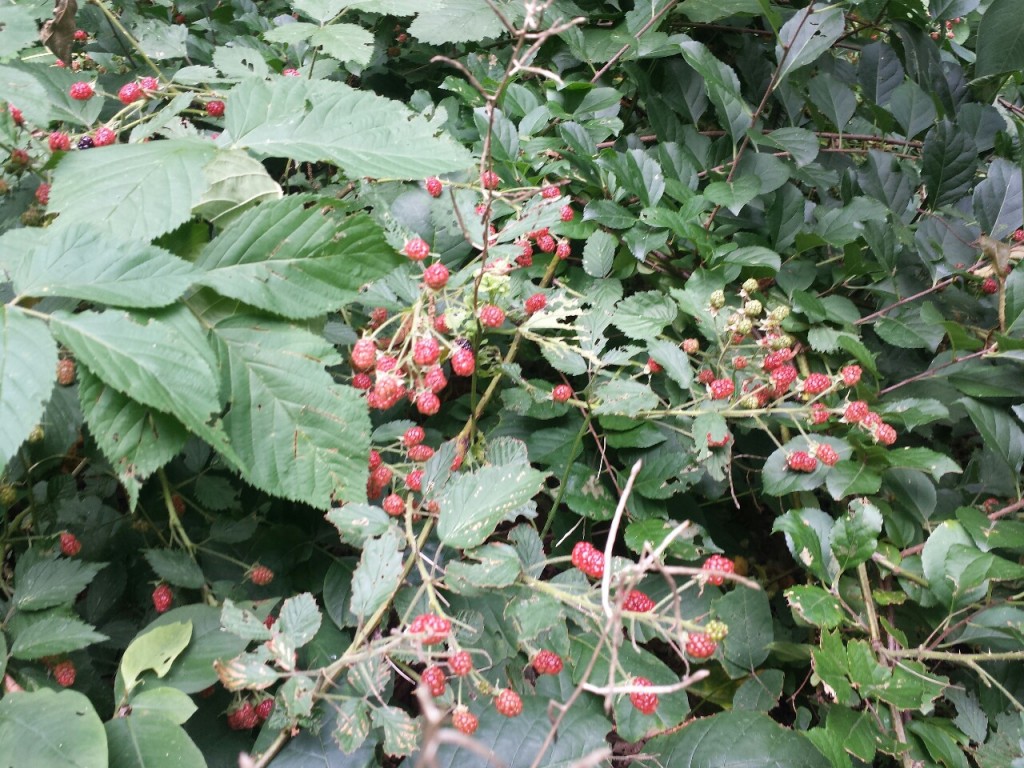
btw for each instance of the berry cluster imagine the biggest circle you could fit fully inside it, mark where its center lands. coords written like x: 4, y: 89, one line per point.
x: 245, y: 716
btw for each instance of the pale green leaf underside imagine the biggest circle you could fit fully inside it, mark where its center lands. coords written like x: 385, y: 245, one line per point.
x: 236, y: 182
x: 28, y: 364
x: 457, y: 21
x: 321, y: 120
x: 473, y: 504
x: 54, y: 635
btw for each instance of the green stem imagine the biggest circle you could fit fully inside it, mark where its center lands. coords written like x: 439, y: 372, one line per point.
x: 116, y: 23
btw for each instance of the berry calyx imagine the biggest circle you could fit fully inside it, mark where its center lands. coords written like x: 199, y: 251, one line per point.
x: 801, y: 461
x: 436, y: 276
x: 81, y: 91
x: 431, y: 628
x: 162, y: 598
x: 66, y: 372
x: 547, y: 663
x: 720, y: 389
x: 64, y: 673
x: 700, y: 646
x: 416, y: 249
x: 435, y: 679
x: 508, y: 703
x: 464, y: 721
x: 461, y: 663
x: 638, y: 602
x: 69, y: 544
x: 561, y: 393
x: 215, y: 108
x: 491, y: 316
x: 719, y: 565
x: 588, y: 559
x: 647, y: 703
x: 260, y: 575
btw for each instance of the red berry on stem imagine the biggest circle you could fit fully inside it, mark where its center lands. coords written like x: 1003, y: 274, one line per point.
x: 464, y: 721
x: 414, y: 480
x: 588, y: 559
x: 508, y: 703
x: 66, y: 372
x: 567, y: 213
x: 826, y: 454
x: 413, y: 436
x: 463, y: 362
x: 149, y: 83
x: 547, y: 663
x: 264, y: 708
x: 490, y: 180
x: 428, y: 404
x: 215, y: 108
x: 59, y: 142
x: 69, y: 544
x: 718, y: 563
x: 81, y: 91
x: 104, y: 136
x: 700, y: 646
x: 431, y: 628
x: 64, y: 673
x: 417, y: 249
x: 536, y: 303
x: 550, y: 192
x: 461, y: 663
x: 721, y: 389
x: 851, y: 375
x: 162, y: 598
x: 433, y: 185
x: 425, y: 351
x: 647, y: 703
x: 260, y: 575
x: 420, y: 453
x: 856, y: 411
x: 436, y: 276
x: 638, y: 602
x: 130, y: 92
x: 801, y: 461
x: 393, y: 504
x: 491, y: 316
x: 435, y: 679
x: 563, y: 250
x: 816, y: 383
x: 561, y: 393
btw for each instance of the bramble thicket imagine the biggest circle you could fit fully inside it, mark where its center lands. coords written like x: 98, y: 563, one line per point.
x: 511, y: 382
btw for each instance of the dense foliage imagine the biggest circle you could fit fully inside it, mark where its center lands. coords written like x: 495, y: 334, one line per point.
x: 454, y: 382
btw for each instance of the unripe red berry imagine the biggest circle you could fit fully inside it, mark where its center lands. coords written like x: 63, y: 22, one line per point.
x: 430, y: 628
x: 465, y: 721
x: 260, y: 575
x: 393, y: 505
x: 550, y: 192
x: 436, y: 276
x: 59, y: 142
x: 461, y: 663
x: 491, y: 316
x: 130, y: 92
x: 64, y: 673
x: 718, y: 564
x: 463, y: 362
x: 536, y: 303
x: 567, y: 213
x: 801, y: 461
x: 647, y: 703
x: 433, y: 185
x: 215, y: 108
x: 81, y: 91
x: 561, y: 393
x: 508, y: 703
x: 700, y: 646
x: 69, y: 544
x: 721, y: 389
x: 489, y: 180
x: 435, y: 679
x: 162, y: 598
x: 417, y: 249
x: 427, y: 403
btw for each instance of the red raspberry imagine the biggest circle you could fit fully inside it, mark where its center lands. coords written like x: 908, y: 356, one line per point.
x: 435, y: 379
x: 434, y: 678
x: 739, y: 362
x: 43, y: 193
x: 588, y: 559
x: 700, y: 646
x: 463, y: 362
x: 550, y: 192
x: 464, y: 721
x: 433, y: 185
x: 425, y: 351
x: 989, y: 286
x: 64, y: 673
x: 149, y: 83
x: 416, y: 249
x: 243, y: 717
x: 819, y: 413
x: 66, y: 372
x: 362, y: 381
x: 461, y: 663
x: 783, y: 377
x: 851, y: 375
x: 386, y: 364
x: 215, y: 108
x: 441, y: 324
x: 638, y: 602
x: 547, y: 244
x: 719, y: 564
x: 420, y: 453
x: 774, y: 359
x: 826, y: 454
x: 536, y: 303
x: 162, y: 598
x: 81, y: 91
x: 885, y: 434
x: 856, y: 411
x: 525, y: 260
x: 130, y: 92
x: 1018, y: 236
x: 379, y: 479
x: 436, y: 276
x: 413, y: 436
x: 489, y: 180
x: 364, y: 354
x: 414, y: 480
x: 563, y: 250
x: 393, y: 504
x: 260, y: 575
x: 871, y: 421
x: 433, y: 628
x: 375, y: 459
x: 567, y: 213
x: 561, y: 393
x: 721, y: 389
x: 59, y: 142
x: 525, y: 250
x: 816, y: 383
x: 427, y: 403
x: 508, y: 703
x: 178, y: 503
x: 491, y: 315
x: 69, y: 544
x: 80, y: 35
x: 801, y: 461
x: 16, y: 115
x: 290, y: 72
x: 705, y: 376
x: 264, y: 708
x: 647, y: 703
x: 103, y: 137
x: 547, y: 663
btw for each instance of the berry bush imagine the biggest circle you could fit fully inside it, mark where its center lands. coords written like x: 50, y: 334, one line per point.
x: 525, y: 383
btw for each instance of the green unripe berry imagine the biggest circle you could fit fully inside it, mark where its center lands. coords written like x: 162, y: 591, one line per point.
x: 752, y: 308
x: 8, y: 494
x: 781, y: 342
x: 37, y: 434
x: 780, y: 313
x: 750, y: 403
x: 717, y: 299
x: 744, y: 326
x: 749, y: 285
x: 716, y: 630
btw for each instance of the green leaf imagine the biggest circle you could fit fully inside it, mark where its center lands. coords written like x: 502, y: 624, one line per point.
x: 401, y: 732
x: 913, y: 109
x: 53, y: 635
x: 854, y: 537
x: 816, y: 606
x: 55, y: 730
x: 17, y: 30
x: 175, y: 567
x: 151, y: 741
x: 82, y: 262
x: 458, y: 21
x: 948, y: 163
x: 136, y: 440
x: 471, y: 508
x: 749, y: 617
x: 154, y: 648
x: 675, y: 362
x: 358, y: 522
x: 323, y: 120
x: 808, y: 34
x: 808, y: 532
x: 623, y: 397
x: 299, y: 257
x: 704, y: 11
x: 920, y: 328
x: 321, y: 11
x: 925, y: 459
x: 723, y: 87
x: 134, y: 191
x: 298, y: 434
x: 28, y: 364
x: 609, y: 214
x: 999, y: 430
x: 378, y: 574
x: 598, y: 253
x: 999, y: 200
x: 491, y: 566
x: 236, y: 182
x: 242, y: 622
x: 736, y: 739
x: 1000, y: 45
x: 345, y: 42
x: 733, y: 194
x: 754, y: 256
x: 155, y: 363
x: 644, y: 315
x: 760, y: 692
x: 168, y: 703
x: 52, y: 582
x: 879, y: 72
x: 299, y: 619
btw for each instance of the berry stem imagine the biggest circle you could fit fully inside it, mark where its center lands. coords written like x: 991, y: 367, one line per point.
x: 177, y: 529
